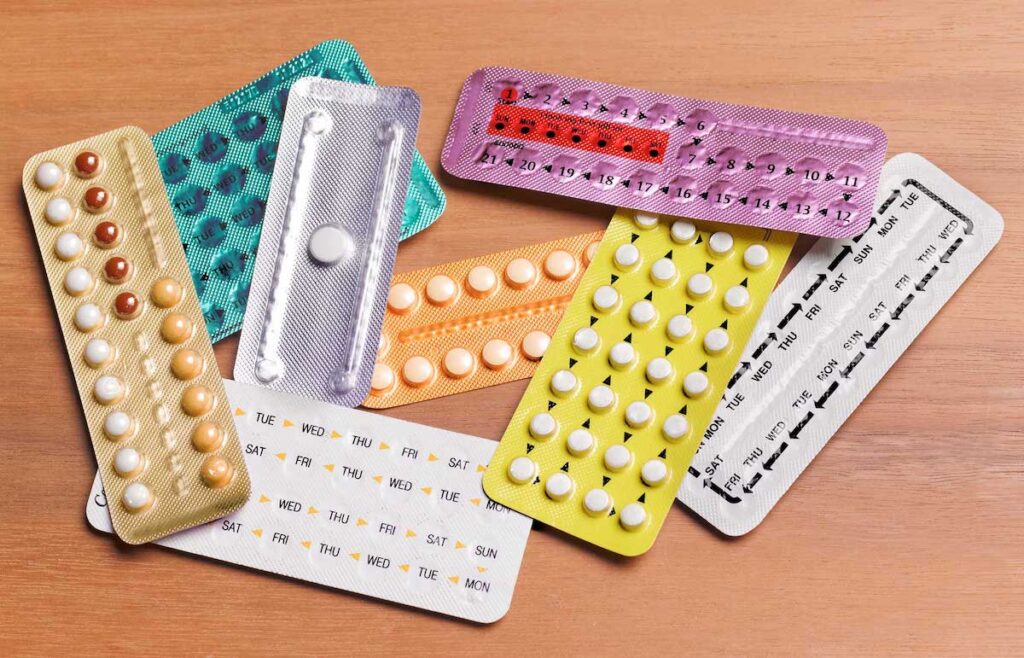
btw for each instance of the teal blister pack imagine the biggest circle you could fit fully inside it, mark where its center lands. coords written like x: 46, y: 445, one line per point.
x: 217, y: 165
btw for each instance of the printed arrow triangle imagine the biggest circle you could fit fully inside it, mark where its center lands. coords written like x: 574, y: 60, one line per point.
x: 258, y: 532
x: 306, y: 544
x: 649, y: 296
x: 586, y: 423
x: 565, y: 467
x: 605, y: 480
x: 608, y: 380
x: 704, y: 367
x: 633, y: 237
x: 642, y: 498
x: 288, y: 423
x: 264, y: 499
x: 708, y: 267
x: 239, y: 411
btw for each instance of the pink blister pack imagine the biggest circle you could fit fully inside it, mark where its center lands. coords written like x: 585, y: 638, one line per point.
x: 666, y: 154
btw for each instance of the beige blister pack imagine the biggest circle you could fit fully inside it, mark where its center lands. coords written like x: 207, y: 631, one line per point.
x: 149, y: 385
x: 475, y: 323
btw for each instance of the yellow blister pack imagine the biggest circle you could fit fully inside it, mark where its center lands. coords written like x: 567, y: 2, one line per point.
x: 614, y: 413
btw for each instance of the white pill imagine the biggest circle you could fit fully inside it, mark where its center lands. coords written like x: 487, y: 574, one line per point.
x: 683, y: 232
x: 108, y: 389
x: 69, y: 246
x: 755, y: 257
x: 638, y: 414
x: 58, y: 211
x: 127, y: 462
x: 522, y: 470
x: 716, y: 340
x: 737, y: 298
x: 49, y: 175
x: 559, y: 486
x: 659, y: 370
x: 642, y: 313
x: 663, y: 272
x: 699, y: 285
x: 117, y: 425
x: 579, y: 442
x: 136, y: 497
x: 98, y: 352
x: 621, y: 355
x: 654, y: 472
x: 600, y: 399
x: 88, y: 317
x: 627, y: 256
x: 606, y: 298
x: 695, y: 384
x: 645, y: 220
x: 596, y: 502
x: 617, y: 457
x: 563, y: 382
x: 585, y: 340
x: 679, y: 328
x: 720, y: 243
x: 78, y: 281
x: 632, y: 516
x: 675, y: 427
x: 330, y: 244
x: 543, y: 426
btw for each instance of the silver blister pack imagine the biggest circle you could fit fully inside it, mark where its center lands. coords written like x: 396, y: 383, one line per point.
x: 330, y: 233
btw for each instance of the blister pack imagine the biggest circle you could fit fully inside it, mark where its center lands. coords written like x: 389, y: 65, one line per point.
x: 217, y: 165
x: 829, y: 333
x: 461, y: 326
x: 665, y: 154
x: 321, y: 278
x: 361, y: 502
x: 143, y: 364
x: 603, y: 435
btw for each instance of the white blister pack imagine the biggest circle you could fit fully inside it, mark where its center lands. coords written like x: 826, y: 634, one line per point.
x: 330, y: 233
x: 829, y: 333
x: 365, y: 503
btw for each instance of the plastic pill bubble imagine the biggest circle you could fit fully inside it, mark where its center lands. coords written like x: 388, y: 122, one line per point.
x: 716, y: 341
x: 207, y: 437
x: 663, y: 272
x: 633, y: 516
x: 597, y: 502
x: 654, y: 472
x: 197, y: 401
x: 563, y: 383
x: 585, y: 340
x: 617, y: 457
x: 441, y: 290
x: 108, y: 390
x: 626, y: 257
x: 638, y: 414
x: 417, y: 371
x: 97, y: 199
x: 88, y: 317
x: 683, y: 232
x: 559, y: 265
x: 458, y: 362
x: 48, y: 175
x: 591, y: 251
x: 216, y: 472
x: 606, y: 299
x: 497, y: 354
x: 383, y: 379
x: 675, y: 428
x: 535, y: 344
x: 559, y: 486
x: 165, y: 293
x: 695, y: 384
x: 137, y: 498
x: 659, y: 370
x: 118, y: 425
x: 720, y: 243
x: 520, y: 273
x: 543, y: 426
x: 78, y: 281
x: 699, y: 285
x: 69, y: 246
x: 176, y: 328
x: 755, y: 257
x: 186, y: 364
x: 600, y: 399
x: 98, y: 352
x: 88, y: 164
x: 128, y: 462
x: 645, y: 220
x: 330, y: 244
x: 402, y: 298
x: 579, y: 442
x: 679, y: 328
x: 522, y: 470
x: 621, y: 355
x: 481, y: 281
x: 642, y: 313
x: 736, y: 299
x: 58, y: 211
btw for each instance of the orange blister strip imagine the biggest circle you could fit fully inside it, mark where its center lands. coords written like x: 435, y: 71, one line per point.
x: 153, y: 399
x: 475, y: 323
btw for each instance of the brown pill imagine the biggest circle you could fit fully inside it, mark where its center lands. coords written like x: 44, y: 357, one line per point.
x: 186, y: 364
x: 176, y: 328
x: 196, y: 400
x: 97, y: 199
x: 116, y: 270
x: 216, y: 472
x: 207, y: 437
x: 107, y: 234
x: 87, y: 164
x: 166, y: 292
x: 127, y: 305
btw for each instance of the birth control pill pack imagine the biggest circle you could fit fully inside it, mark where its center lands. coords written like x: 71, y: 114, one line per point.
x: 603, y: 435
x: 217, y: 165
x: 361, y: 502
x: 475, y: 323
x: 665, y: 154
x: 831, y: 331
x: 334, y: 214
x: 143, y: 364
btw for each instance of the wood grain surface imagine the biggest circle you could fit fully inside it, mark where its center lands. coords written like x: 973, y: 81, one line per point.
x: 906, y: 535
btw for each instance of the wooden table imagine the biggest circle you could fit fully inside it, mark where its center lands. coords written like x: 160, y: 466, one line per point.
x: 905, y: 535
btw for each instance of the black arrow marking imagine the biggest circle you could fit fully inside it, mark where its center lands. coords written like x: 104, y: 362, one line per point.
x: 797, y: 307
x: 664, y: 190
x: 663, y: 454
x: 721, y: 492
x: 626, y: 436
x: 969, y: 228
x: 814, y: 286
x: 789, y: 171
x: 703, y: 195
x: 642, y: 498
x: 551, y: 404
x: 750, y: 165
x: 749, y: 486
x: 668, y: 350
x: 625, y: 183
x: 537, y: 481
x: 628, y: 338
x: 944, y: 258
x: 904, y: 304
x: 689, y: 307
x: 783, y: 206
x: 683, y: 410
x: 694, y: 472
x: 843, y: 253
x: 565, y: 467
x: 927, y: 277
x: 845, y: 372
x: 778, y: 453
x: 725, y: 324
x: 710, y: 161
x: 572, y: 362
x: 647, y: 393
x: 823, y: 212
x: 605, y: 480
x: 633, y: 237
x: 878, y: 334
x: 708, y: 266
x: 820, y: 402
x: 704, y: 368
x: 744, y: 367
x: 697, y: 141
x: 743, y: 200
x: 888, y: 202
x: 847, y: 196
x: 795, y: 432
x: 529, y: 448
x: 829, y: 177
x: 602, y: 109
x: 744, y: 282
x: 649, y: 296
x: 547, y: 168
x: 612, y: 513
x: 763, y: 346
x: 592, y: 320
x: 587, y: 175
x: 565, y: 101
x: 871, y: 223
x: 699, y: 238
x: 615, y: 278
x: 608, y: 380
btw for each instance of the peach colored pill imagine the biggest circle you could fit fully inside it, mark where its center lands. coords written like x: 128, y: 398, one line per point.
x: 590, y: 252
x: 417, y: 371
x: 481, y: 281
x: 383, y: 379
x: 207, y: 437
x: 176, y: 328
x: 458, y: 362
x: 186, y: 364
x: 441, y: 290
x: 166, y: 292
x: 520, y: 273
x: 402, y: 299
x: 216, y: 472
x: 497, y: 354
x: 196, y: 400
x: 535, y: 344
x: 559, y: 265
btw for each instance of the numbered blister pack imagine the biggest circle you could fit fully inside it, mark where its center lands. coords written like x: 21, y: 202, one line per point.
x: 143, y: 364
x: 217, y: 165
x: 462, y: 326
x: 602, y: 437
x: 320, y: 283
x: 665, y: 154
x: 361, y: 502
x: 829, y: 333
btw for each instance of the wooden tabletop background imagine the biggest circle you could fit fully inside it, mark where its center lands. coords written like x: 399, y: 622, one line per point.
x: 906, y: 535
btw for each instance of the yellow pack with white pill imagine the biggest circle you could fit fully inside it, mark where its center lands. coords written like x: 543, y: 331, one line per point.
x: 462, y: 326
x: 610, y: 421
x: 148, y: 382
